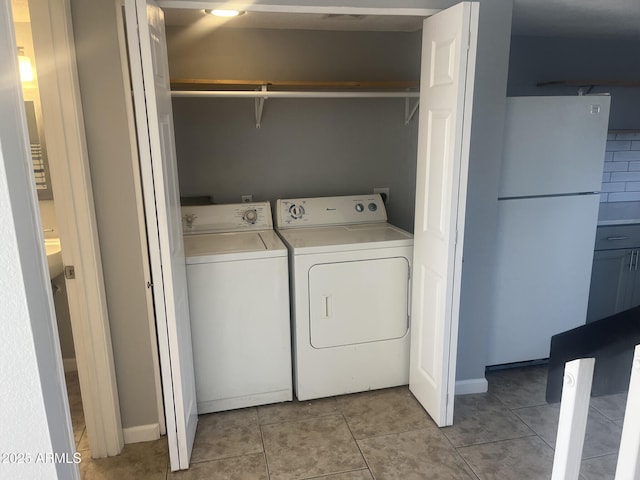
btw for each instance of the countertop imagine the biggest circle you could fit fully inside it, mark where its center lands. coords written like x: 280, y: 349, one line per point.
x: 619, y: 213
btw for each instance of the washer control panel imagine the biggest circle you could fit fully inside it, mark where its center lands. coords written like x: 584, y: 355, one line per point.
x: 232, y: 217
x: 311, y: 212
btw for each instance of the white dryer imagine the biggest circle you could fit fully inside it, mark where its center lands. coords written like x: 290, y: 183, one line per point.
x: 238, y: 282
x: 350, y: 287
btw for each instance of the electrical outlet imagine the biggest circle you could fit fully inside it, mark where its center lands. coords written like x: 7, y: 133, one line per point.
x: 247, y: 198
x: 384, y: 193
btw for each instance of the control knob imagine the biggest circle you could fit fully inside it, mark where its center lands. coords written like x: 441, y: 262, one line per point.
x: 359, y: 207
x: 250, y: 216
x: 296, y: 211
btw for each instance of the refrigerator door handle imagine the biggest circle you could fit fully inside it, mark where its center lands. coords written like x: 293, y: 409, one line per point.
x: 633, y: 252
x: 637, y: 255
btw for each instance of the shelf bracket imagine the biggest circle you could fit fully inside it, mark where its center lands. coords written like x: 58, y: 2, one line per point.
x: 259, y: 103
x: 409, y: 110
x: 586, y: 90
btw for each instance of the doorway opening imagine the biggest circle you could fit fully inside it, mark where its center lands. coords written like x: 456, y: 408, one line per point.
x: 43, y: 30
x: 48, y: 214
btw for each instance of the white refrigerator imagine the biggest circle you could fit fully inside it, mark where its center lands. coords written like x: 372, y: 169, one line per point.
x: 547, y: 217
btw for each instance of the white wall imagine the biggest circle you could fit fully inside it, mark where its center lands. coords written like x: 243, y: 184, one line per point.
x: 23, y: 414
x: 34, y: 410
x: 49, y: 219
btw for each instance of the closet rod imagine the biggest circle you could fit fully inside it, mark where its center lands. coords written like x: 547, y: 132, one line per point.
x: 293, y: 94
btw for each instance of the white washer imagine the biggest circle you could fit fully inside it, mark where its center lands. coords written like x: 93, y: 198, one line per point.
x: 350, y: 287
x: 238, y: 282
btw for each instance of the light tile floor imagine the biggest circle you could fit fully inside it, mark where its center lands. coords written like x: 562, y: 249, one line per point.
x: 505, y: 434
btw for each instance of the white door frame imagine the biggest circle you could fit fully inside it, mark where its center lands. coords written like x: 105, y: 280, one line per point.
x: 68, y: 160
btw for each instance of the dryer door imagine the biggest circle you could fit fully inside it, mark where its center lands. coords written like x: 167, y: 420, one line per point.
x: 358, y: 302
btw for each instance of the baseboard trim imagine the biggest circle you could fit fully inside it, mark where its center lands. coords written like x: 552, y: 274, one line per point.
x: 70, y: 364
x: 141, y: 433
x: 473, y: 385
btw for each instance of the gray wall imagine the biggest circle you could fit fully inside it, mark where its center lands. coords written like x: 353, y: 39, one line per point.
x: 482, y: 193
x: 537, y: 59
x: 112, y: 176
x: 305, y: 147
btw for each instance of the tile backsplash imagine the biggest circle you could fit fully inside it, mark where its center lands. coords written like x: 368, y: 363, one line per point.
x: 621, y: 177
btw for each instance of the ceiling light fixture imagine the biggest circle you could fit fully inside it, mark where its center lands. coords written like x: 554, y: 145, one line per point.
x: 224, y: 13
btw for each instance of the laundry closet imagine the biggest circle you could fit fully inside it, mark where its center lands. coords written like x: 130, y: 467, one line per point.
x: 303, y: 147
x: 328, y: 141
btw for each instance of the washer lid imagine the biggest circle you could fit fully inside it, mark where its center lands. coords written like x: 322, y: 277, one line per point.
x: 345, y: 237
x: 215, y: 247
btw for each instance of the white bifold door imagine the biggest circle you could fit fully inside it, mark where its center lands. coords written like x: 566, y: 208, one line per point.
x: 154, y: 119
x: 446, y: 92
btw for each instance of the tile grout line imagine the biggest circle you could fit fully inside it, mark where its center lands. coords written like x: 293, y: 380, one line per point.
x: 513, y: 410
x: 338, y: 473
x: 301, y: 419
x: 353, y: 437
x: 397, y: 432
x: 459, y: 453
x: 488, y: 442
x: 264, y: 450
x: 226, y: 458
x: 167, y: 469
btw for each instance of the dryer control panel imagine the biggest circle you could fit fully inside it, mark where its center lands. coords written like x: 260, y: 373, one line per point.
x: 234, y: 217
x: 320, y: 211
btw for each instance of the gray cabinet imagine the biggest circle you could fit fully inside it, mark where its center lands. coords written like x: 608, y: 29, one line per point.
x: 615, y: 276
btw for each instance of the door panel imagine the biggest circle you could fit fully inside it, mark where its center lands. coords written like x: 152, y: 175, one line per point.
x: 446, y: 92
x: 154, y: 118
x: 358, y: 302
x: 436, y: 215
